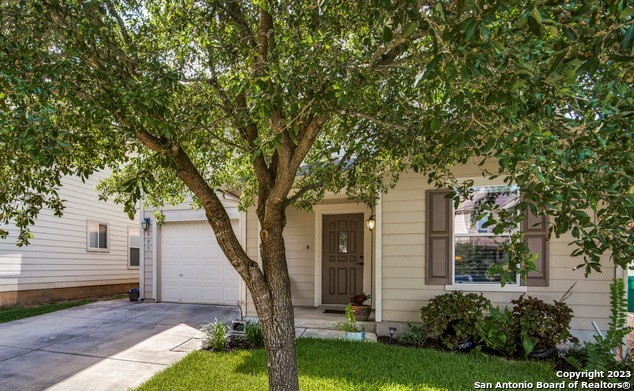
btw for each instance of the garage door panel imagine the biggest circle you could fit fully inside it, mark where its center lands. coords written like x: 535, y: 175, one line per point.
x: 212, y: 251
x: 192, y: 293
x: 229, y: 294
x: 193, y: 267
x: 191, y: 274
x: 191, y: 251
x: 229, y: 273
x: 213, y: 273
x: 170, y: 250
x: 213, y: 294
x: 171, y: 292
x: 192, y: 231
x: 171, y: 233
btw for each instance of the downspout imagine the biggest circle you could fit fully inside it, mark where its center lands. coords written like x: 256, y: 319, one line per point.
x: 378, y: 260
x: 141, y: 249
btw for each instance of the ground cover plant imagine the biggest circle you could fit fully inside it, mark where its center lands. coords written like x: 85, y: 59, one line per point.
x: 327, y: 365
x: 21, y: 312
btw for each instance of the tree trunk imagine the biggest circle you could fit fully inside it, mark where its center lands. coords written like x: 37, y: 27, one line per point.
x: 275, y: 308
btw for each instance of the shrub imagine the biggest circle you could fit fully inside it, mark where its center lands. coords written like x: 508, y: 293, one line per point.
x: 606, y: 352
x: 498, y: 331
x: 254, y: 334
x: 453, y: 316
x: 216, y: 336
x: 541, y: 326
x: 415, y: 336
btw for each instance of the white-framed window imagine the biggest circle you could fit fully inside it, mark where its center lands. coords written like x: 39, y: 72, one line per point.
x: 475, y: 245
x: 97, y: 236
x: 134, y: 247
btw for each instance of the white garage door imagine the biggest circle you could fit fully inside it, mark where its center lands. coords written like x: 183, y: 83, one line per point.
x: 193, y: 267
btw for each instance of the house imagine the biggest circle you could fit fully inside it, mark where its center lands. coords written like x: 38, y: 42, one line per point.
x: 92, y: 250
x: 420, y: 247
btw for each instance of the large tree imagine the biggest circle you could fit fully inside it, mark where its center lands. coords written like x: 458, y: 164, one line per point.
x: 283, y: 101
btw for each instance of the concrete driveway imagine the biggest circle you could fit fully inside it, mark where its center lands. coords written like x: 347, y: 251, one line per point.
x: 107, y: 345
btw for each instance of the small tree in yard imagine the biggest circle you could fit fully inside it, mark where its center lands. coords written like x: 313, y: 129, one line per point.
x: 283, y: 101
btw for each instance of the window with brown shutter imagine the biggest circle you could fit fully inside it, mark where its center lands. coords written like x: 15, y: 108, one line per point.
x: 535, y: 230
x: 460, y: 248
x: 438, y: 270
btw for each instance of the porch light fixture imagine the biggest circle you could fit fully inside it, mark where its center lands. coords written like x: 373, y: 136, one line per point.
x: 371, y: 223
x: 145, y: 224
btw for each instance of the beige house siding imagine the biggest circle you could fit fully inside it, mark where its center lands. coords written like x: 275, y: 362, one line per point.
x: 403, y: 269
x: 299, y: 235
x: 148, y: 263
x: 57, y: 256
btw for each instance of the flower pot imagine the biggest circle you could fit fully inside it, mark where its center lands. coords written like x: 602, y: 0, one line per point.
x: 133, y: 294
x: 361, y: 312
x: 541, y: 353
x: 358, y: 336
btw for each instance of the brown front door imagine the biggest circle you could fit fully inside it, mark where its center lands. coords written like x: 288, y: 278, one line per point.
x: 342, y: 257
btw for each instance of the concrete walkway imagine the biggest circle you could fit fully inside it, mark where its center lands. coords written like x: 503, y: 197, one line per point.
x: 108, y: 345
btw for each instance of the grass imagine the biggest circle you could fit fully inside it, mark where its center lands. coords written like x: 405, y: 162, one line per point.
x: 21, y: 312
x: 345, y: 365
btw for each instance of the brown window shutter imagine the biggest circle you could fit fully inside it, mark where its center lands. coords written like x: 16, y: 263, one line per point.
x: 439, y: 231
x: 535, y: 230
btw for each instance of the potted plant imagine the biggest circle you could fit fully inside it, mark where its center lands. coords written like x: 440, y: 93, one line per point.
x: 453, y: 317
x: 361, y: 311
x: 350, y: 328
x: 542, y: 326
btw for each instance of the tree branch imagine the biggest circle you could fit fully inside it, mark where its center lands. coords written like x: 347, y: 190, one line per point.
x: 302, y: 191
x: 370, y: 118
x: 236, y: 14
x: 122, y: 27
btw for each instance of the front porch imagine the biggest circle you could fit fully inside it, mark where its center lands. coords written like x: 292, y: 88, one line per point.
x: 313, y: 322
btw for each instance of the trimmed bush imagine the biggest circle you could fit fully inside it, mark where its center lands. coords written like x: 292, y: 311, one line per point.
x: 453, y: 316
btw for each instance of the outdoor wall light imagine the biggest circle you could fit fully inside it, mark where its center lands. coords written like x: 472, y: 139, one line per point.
x: 371, y: 223
x: 145, y: 224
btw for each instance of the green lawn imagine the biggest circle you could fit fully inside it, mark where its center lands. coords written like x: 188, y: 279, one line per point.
x: 343, y: 365
x: 19, y: 312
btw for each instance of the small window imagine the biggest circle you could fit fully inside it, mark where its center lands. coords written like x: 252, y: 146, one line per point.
x: 134, y: 247
x: 98, y: 239
x: 475, y: 245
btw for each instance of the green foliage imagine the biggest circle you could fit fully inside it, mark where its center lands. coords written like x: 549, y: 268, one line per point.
x: 348, y: 366
x: 498, y: 331
x: 453, y: 316
x: 543, y: 90
x: 540, y: 325
x: 20, y: 312
x: 416, y: 335
x: 350, y: 325
x: 216, y: 336
x: 606, y: 352
x: 531, y: 325
x: 254, y: 333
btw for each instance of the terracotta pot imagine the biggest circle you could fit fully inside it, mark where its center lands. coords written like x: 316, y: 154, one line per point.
x: 362, y: 312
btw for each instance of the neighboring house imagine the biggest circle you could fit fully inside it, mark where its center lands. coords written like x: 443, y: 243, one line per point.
x: 92, y: 250
x: 420, y: 247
